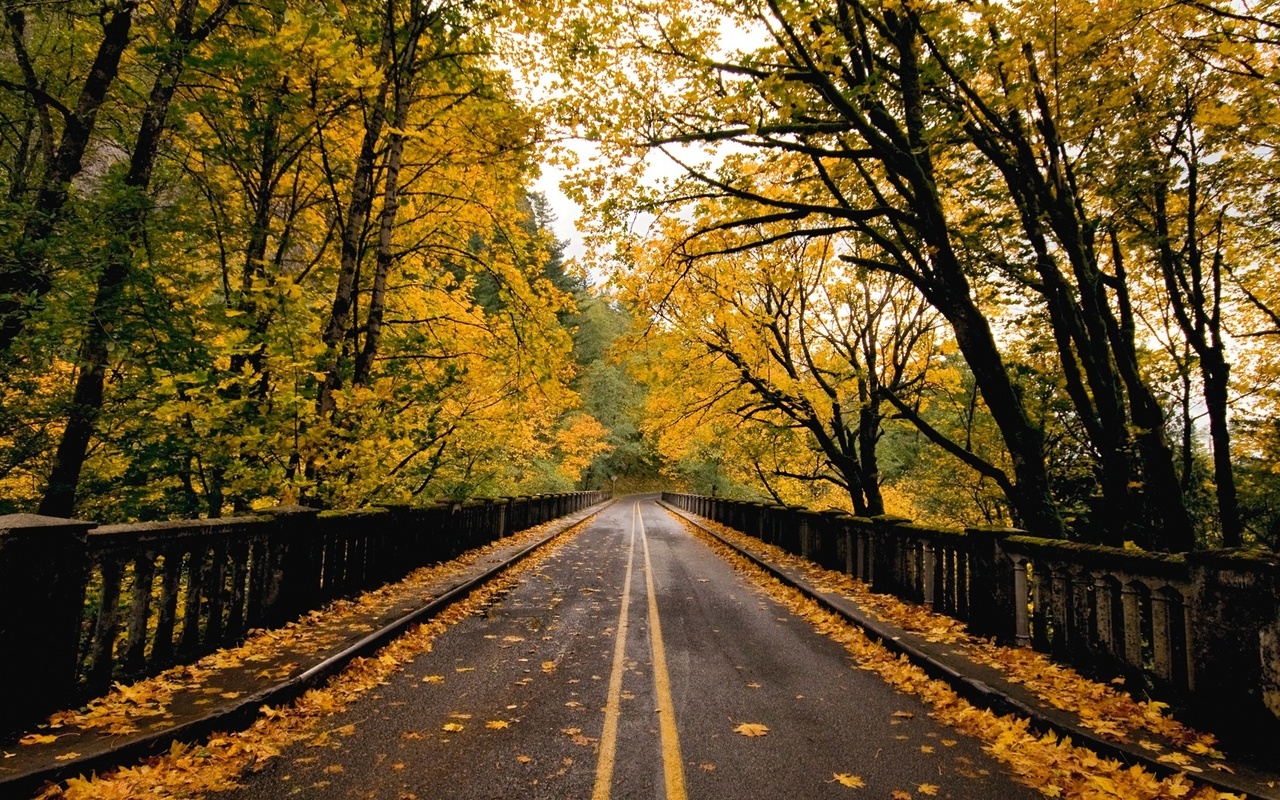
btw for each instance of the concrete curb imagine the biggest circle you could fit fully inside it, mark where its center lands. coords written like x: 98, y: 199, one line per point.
x: 985, y: 695
x: 242, y: 713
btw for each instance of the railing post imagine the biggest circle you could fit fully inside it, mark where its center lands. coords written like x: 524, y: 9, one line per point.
x: 296, y: 564
x: 887, y: 573
x: 994, y: 594
x: 1236, y: 641
x: 43, y: 568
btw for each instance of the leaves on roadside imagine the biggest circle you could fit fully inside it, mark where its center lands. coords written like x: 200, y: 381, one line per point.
x: 846, y: 779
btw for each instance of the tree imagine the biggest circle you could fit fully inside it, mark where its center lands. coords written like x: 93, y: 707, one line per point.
x: 975, y: 151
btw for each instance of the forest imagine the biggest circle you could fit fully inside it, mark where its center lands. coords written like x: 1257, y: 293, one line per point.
x: 964, y: 262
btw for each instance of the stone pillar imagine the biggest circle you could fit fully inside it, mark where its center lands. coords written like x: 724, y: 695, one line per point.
x: 43, y: 569
x: 296, y: 563
x: 1235, y: 638
x: 992, y: 590
x: 887, y: 549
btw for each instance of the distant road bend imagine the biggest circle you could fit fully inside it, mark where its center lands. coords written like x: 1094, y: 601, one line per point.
x: 634, y: 662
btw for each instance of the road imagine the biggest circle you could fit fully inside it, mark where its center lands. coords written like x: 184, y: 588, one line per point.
x: 625, y: 666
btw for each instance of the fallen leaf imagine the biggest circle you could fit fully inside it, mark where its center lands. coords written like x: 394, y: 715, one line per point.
x: 523, y: 759
x: 924, y: 748
x: 452, y: 727
x: 927, y: 788
x: 949, y: 742
x: 845, y: 779
x: 38, y: 738
x: 66, y: 756
x: 333, y: 769
x: 433, y: 679
x: 465, y: 669
x: 497, y: 724
x: 707, y: 767
x: 903, y: 715
x: 751, y: 729
x: 753, y: 685
x: 898, y: 794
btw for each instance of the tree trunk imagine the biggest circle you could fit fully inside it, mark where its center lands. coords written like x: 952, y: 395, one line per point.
x: 126, y: 229
x: 25, y: 278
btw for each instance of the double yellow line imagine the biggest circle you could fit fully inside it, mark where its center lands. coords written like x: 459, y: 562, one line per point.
x: 672, y: 762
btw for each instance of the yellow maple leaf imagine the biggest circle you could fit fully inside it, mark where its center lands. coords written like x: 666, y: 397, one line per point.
x: 898, y: 794
x: 927, y: 788
x: 433, y: 679
x: 452, y: 727
x: 66, y: 756
x: 845, y: 779
x: 751, y: 729
x: 497, y: 724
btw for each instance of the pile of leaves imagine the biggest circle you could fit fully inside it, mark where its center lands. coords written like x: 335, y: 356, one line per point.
x: 1049, y: 763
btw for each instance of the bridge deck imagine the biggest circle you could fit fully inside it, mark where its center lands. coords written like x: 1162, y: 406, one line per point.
x: 520, y: 702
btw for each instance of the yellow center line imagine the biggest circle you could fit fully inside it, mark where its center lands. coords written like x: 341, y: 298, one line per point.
x: 672, y: 761
x: 613, y: 708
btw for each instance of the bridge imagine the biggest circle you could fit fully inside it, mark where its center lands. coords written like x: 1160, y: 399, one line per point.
x: 584, y: 646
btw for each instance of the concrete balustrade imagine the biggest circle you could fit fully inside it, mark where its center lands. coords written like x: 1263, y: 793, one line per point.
x: 82, y: 606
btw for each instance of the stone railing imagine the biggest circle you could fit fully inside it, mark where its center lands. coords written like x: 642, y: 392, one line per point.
x: 82, y: 606
x: 1200, y: 630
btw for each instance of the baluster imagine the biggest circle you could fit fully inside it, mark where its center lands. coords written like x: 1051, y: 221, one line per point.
x: 1161, y: 646
x: 1061, y: 610
x: 1131, y: 604
x: 1041, y: 593
x: 217, y: 593
x: 239, y: 550
x: 171, y: 579
x: 107, y: 625
x: 1104, y: 632
x: 1021, y: 624
x: 195, y: 598
x: 927, y: 574
x: 135, y: 654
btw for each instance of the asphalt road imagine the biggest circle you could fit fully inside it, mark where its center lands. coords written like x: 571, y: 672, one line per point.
x: 563, y: 690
